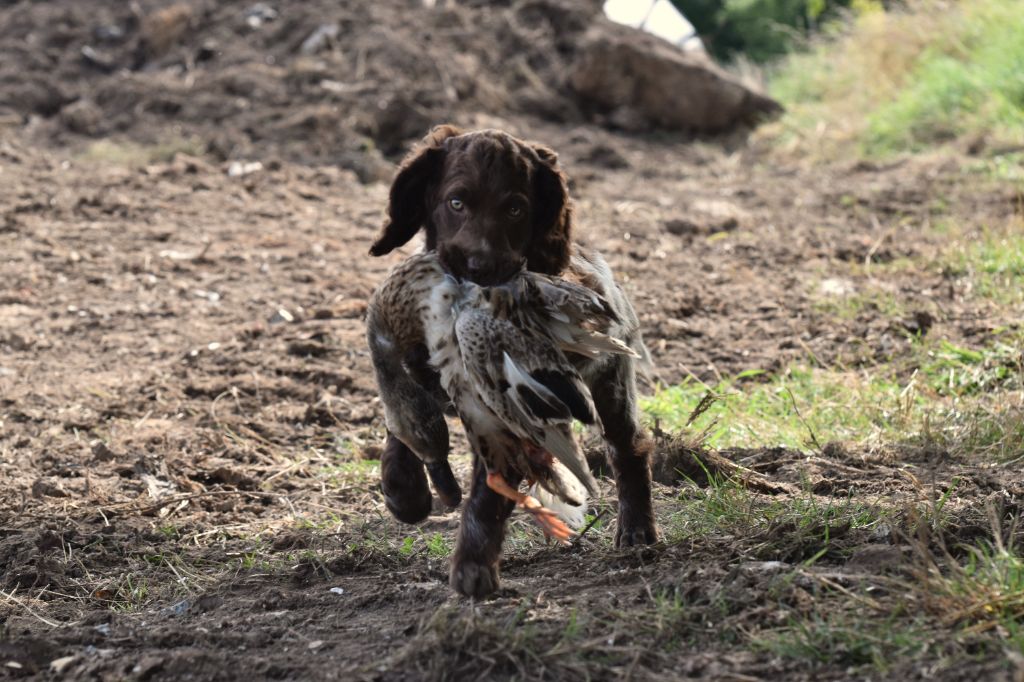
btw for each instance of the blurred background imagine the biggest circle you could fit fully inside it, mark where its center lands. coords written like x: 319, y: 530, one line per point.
x: 353, y: 83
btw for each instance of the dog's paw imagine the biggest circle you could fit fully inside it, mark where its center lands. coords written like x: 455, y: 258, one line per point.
x: 635, y: 532
x: 406, y: 493
x: 472, y: 579
x: 409, y: 508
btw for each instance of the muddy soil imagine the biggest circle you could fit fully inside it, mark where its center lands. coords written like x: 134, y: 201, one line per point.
x: 188, y: 418
x: 184, y: 382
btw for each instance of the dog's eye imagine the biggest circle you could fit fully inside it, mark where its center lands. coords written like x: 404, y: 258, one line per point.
x: 456, y: 204
x: 515, y: 211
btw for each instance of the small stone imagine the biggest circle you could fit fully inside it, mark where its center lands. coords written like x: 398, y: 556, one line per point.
x: 321, y: 38
x: 179, y: 609
x: 834, y: 286
x: 259, y: 14
x: 58, y: 665
x: 238, y: 169
x: 281, y: 315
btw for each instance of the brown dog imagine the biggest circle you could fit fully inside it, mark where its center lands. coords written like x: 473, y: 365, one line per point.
x: 490, y: 203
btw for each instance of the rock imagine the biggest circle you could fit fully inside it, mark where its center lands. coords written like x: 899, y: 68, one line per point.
x: 58, y: 665
x: 110, y: 34
x: 637, y: 82
x: 97, y: 60
x: 148, y: 666
x: 259, y: 14
x: 323, y: 37
x: 281, y: 315
x: 178, y: 609
x: 238, y: 169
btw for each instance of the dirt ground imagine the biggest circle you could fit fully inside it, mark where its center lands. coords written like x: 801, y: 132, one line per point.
x: 188, y: 416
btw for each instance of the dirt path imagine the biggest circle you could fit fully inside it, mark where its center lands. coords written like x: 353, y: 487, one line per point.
x: 185, y: 399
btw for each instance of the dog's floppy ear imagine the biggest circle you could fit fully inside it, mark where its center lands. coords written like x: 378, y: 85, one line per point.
x: 407, y: 203
x: 549, y: 248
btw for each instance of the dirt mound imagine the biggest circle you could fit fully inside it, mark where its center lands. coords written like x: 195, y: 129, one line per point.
x: 321, y: 81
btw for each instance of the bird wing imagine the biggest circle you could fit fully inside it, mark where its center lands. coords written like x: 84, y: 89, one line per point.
x: 528, y: 383
x: 573, y: 316
x: 568, y: 300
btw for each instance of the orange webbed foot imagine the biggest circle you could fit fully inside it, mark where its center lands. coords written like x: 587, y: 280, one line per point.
x: 549, y: 522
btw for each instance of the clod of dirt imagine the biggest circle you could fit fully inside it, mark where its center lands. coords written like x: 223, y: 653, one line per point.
x: 681, y: 226
x: 918, y: 323
x: 161, y: 30
x: 878, y: 558
x: 82, y: 117
x: 25, y: 656
x: 43, y: 488
x: 638, y: 81
x: 102, y: 453
x: 604, y: 156
x: 678, y: 459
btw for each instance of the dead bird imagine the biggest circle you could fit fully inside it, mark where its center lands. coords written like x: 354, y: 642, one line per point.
x: 500, y: 352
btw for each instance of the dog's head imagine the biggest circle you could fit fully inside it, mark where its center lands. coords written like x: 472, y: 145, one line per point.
x: 489, y: 203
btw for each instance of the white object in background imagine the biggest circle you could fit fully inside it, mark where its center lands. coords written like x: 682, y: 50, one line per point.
x: 657, y: 17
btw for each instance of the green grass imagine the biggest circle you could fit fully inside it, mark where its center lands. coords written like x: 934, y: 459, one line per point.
x: 847, y: 639
x: 798, y: 527
x: 993, y: 261
x: 953, y: 370
x: 133, y: 154
x: 981, y: 594
x: 908, y: 80
x: 853, y: 305
x: 969, y: 401
x: 794, y: 409
x: 435, y: 546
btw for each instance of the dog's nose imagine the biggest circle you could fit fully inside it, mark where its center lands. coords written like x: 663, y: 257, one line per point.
x: 476, y: 266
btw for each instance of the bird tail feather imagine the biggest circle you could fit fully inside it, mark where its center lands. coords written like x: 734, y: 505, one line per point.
x: 573, y: 515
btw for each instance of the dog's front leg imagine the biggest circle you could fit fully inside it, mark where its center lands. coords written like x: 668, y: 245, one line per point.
x: 630, y: 450
x: 474, y: 571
